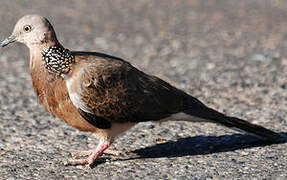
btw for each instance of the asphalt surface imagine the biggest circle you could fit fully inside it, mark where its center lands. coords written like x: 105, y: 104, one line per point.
x: 230, y: 54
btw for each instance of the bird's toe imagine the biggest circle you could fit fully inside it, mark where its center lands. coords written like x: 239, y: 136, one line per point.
x: 76, y: 154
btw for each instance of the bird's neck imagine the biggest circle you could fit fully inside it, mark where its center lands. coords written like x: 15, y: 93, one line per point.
x: 57, y: 60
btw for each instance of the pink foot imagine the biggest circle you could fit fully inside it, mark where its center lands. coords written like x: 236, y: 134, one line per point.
x: 77, y: 154
x: 93, y: 155
x: 113, y: 152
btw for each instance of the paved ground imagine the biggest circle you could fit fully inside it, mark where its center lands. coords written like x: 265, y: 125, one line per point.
x: 230, y: 54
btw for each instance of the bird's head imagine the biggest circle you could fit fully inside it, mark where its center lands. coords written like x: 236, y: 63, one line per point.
x: 34, y: 31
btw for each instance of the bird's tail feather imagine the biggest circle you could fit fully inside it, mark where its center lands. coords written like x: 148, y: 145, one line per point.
x: 211, y: 115
x: 248, y: 127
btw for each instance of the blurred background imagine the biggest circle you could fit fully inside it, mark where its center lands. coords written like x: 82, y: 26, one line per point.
x: 230, y: 54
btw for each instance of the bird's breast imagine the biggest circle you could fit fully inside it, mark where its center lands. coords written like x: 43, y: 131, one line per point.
x: 53, y: 94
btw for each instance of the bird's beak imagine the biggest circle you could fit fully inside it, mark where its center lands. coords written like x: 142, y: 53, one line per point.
x: 8, y: 40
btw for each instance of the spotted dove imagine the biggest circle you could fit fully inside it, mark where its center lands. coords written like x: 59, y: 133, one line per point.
x: 106, y: 95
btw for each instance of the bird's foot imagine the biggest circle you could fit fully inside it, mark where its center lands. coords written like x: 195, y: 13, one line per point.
x: 113, y: 152
x: 92, y: 155
x: 77, y: 154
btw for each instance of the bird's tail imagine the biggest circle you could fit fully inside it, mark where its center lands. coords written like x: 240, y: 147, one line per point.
x: 248, y: 127
x: 211, y: 115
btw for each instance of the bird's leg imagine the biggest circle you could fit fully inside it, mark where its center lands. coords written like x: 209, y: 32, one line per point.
x: 93, y: 155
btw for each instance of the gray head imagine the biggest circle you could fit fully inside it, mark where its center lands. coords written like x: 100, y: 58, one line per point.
x: 34, y: 31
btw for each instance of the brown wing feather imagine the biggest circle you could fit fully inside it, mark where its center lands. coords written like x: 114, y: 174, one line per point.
x: 117, y: 91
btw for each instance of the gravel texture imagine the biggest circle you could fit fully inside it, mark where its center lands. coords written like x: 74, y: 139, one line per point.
x: 230, y: 54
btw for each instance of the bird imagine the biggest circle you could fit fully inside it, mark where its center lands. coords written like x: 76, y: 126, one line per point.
x: 106, y: 95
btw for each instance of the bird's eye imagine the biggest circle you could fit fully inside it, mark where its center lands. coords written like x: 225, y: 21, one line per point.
x: 27, y: 28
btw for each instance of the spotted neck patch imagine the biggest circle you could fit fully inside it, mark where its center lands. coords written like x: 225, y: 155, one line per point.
x: 58, y: 60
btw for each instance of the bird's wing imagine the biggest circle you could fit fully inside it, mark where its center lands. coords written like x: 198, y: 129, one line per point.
x: 109, y: 90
